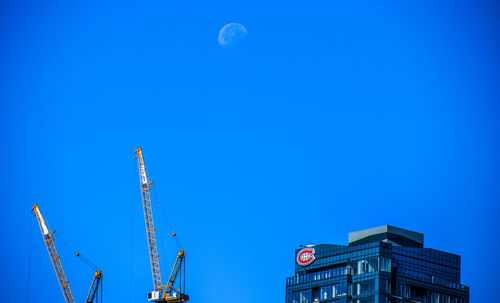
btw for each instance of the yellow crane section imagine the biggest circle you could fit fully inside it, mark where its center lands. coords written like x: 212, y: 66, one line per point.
x: 161, y: 293
x: 92, y: 296
x: 48, y: 238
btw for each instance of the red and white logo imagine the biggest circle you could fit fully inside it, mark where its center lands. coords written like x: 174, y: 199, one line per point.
x: 305, y: 256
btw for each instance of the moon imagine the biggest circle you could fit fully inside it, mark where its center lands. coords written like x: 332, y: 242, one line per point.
x: 232, y: 34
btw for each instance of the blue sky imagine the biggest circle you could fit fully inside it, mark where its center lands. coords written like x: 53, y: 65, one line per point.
x: 331, y: 117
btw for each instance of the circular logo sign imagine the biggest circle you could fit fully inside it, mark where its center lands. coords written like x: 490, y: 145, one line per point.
x: 305, y: 256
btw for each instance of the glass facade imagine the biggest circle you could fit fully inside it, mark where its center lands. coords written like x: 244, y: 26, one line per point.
x: 377, y: 272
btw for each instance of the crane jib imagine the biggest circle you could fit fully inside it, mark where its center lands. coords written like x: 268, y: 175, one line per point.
x: 161, y: 293
x: 48, y: 238
x: 54, y: 256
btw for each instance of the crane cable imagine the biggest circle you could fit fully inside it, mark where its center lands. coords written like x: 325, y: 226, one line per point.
x: 91, y: 265
x: 102, y: 287
x: 158, y: 226
x: 132, y: 226
x: 29, y: 261
x: 53, y: 232
x: 69, y: 265
x: 179, y: 244
x: 174, y: 235
x: 94, y: 267
x: 162, y: 211
x: 155, y: 194
x: 86, y: 261
x: 78, y: 255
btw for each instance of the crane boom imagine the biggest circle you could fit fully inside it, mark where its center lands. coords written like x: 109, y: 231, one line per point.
x: 94, y: 287
x: 148, y: 218
x: 175, y: 271
x: 54, y: 255
x: 162, y: 293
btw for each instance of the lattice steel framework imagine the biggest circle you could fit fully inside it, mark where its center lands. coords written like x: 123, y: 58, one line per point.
x: 94, y: 288
x: 148, y: 218
x: 54, y: 256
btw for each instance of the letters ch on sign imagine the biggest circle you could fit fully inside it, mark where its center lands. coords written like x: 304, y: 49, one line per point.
x: 306, y: 256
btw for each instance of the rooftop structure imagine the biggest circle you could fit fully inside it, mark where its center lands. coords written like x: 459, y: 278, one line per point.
x: 389, y: 234
x: 384, y: 264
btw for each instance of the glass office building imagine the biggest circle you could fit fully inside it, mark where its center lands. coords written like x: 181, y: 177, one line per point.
x: 380, y: 265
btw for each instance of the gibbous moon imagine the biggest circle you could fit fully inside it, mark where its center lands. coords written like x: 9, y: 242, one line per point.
x: 232, y: 34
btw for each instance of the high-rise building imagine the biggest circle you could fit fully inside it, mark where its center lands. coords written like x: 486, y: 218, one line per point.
x: 384, y: 264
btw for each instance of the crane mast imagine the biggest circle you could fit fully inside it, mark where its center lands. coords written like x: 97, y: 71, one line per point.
x: 148, y: 218
x: 54, y: 255
x: 161, y: 293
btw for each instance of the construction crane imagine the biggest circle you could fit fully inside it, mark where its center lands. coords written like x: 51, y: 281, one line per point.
x: 96, y: 282
x: 48, y: 237
x: 161, y: 293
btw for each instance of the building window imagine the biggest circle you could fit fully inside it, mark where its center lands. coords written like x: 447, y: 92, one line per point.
x: 325, y: 293
x: 367, y: 265
x: 385, y: 299
x: 385, y: 264
x: 332, y: 291
x: 385, y: 286
x: 370, y: 299
x: 365, y: 287
x: 305, y: 296
x: 404, y: 291
x: 340, y: 289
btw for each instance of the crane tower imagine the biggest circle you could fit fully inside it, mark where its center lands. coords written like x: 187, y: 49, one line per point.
x: 161, y: 293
